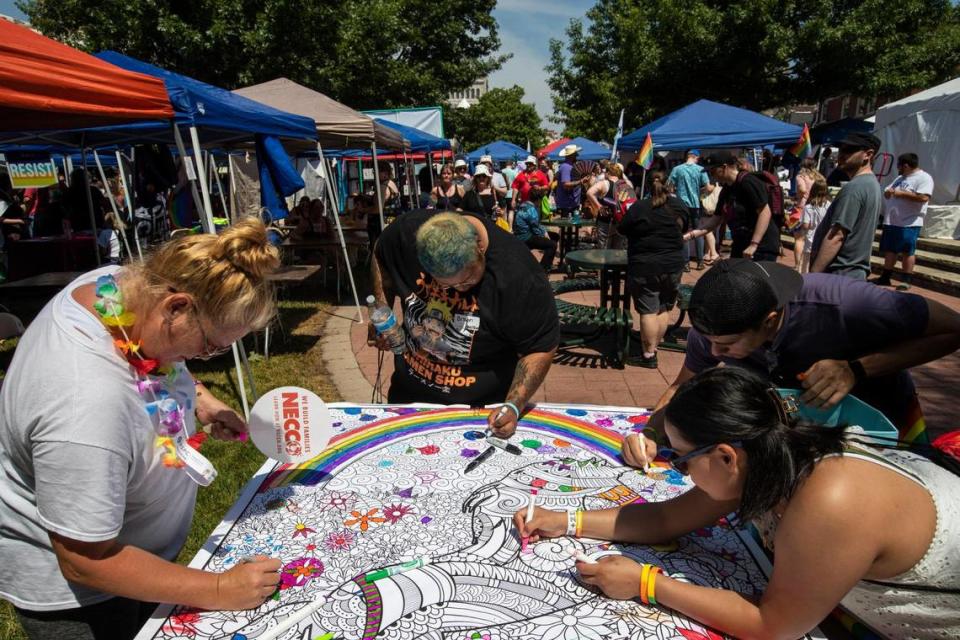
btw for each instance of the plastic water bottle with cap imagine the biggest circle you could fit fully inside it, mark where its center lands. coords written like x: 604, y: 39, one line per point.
x: 386, y: 325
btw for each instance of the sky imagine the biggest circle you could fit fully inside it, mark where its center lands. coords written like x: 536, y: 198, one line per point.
x: 526, y: 27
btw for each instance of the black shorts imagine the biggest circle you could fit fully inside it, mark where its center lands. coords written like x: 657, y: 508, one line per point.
x: 654, y: 294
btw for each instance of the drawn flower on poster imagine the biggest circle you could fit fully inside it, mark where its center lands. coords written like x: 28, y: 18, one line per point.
x: 395, y: 512
x: 581, y: 623
x: 364, y: 520
x: 337, y: 541
x: 339, y: 501
x: 300, y: 572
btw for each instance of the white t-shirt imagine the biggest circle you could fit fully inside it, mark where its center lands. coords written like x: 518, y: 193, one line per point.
x: 77, y: 456
x: 900, y: 212
x: 813, y: 216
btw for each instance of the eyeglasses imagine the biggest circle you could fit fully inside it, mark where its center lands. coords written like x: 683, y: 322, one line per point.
x: 210, y: 350
x: 682, y: 462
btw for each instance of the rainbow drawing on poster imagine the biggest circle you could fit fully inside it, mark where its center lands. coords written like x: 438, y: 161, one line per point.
x: 392, y: 488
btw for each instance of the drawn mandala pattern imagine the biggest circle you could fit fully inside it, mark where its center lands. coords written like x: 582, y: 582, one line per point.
x: 392, y: 488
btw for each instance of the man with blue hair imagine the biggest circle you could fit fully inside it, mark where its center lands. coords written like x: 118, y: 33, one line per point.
x: 478, y: 313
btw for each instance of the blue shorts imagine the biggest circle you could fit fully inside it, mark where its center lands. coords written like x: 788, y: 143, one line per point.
x: 899, y: 239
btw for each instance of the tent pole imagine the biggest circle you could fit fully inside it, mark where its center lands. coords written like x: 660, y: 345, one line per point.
x: 216, y: 177
x: 376, y: 179
x: 113, y: 202
x: 430, y: 164
x: 336, y: 220
x: 202, y: 174
x: 87, y: 187
x: 127, y: 197
x: 191, y: 175
x: 233, y: 188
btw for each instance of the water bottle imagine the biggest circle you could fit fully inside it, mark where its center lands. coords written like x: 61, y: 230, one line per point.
x: 385, y: 324
x: 575, y: 216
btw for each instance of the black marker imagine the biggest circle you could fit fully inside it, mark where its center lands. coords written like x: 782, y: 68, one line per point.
x: 500, y: 443
x: 476, y: 462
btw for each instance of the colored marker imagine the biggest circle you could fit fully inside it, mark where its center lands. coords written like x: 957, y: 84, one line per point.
x: 580, y: 556
x: 643, y: 447
x: 500, y: 443
x: 396, y: 569
x: 476, y: 462
x: 295, y: 619
x: 525, y: 540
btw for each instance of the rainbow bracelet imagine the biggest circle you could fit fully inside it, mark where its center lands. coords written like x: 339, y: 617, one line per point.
x: 651, y: 584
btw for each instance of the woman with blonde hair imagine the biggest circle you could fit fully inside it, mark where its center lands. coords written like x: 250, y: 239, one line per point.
x: 99, y: 464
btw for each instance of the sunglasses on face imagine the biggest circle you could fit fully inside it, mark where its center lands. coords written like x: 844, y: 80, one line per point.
x: 682, y: 462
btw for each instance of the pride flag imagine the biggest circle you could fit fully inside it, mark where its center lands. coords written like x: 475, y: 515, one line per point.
x: 645, y: 155
x: 802, y: 148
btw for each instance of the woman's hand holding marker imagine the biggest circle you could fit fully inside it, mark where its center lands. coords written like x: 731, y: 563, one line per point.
x: 248, y: 584
x: 638, y: 451
x: 544, y: 524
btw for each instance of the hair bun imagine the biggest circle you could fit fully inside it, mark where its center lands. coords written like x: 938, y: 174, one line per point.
x: 246, y: 246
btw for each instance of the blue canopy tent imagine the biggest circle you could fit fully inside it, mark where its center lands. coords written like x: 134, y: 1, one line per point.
x: 833, y: 132
x: 590, y: 150
x: 500, y: 151
x: 707, y: 124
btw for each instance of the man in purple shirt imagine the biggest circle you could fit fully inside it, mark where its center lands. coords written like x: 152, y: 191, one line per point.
x: 569, y: 190
x: 827, y: 334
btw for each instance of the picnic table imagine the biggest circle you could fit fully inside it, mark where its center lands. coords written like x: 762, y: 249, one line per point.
x: 612, y: 265
x: 569, y: 233
x: 391, y: 487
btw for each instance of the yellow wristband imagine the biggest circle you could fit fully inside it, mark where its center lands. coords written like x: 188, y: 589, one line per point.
x: 579, y: 528
x: 643, y: 583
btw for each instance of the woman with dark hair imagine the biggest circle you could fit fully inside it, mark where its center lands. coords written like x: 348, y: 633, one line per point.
x: 447, y: 196
x: 866, y: 526
x: 654, y: 230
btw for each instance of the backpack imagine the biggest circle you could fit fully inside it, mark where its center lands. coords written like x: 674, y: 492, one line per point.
x: 774, y: 194
x: 619, y: 198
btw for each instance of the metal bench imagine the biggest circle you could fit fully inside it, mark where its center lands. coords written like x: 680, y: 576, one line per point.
x: 597, y: 321
x: 568, y: 285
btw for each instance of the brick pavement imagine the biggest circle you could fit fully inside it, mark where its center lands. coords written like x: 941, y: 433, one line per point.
x: 353, y: 366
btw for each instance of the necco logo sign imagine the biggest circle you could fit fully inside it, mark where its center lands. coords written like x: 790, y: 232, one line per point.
x: 290, y: 424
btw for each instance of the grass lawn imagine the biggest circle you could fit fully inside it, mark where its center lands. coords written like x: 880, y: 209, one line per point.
x: 294, y: 360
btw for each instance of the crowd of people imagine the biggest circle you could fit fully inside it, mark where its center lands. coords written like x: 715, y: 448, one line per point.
x: 95, y: 506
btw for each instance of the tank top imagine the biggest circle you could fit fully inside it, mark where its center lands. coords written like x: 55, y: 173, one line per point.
x: 451, y: 202
x: 924, y: 601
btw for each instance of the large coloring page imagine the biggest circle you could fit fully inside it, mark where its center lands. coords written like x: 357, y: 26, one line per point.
x: 392, y: 488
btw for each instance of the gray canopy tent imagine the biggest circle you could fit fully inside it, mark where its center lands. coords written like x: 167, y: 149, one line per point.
x: 338, y: 126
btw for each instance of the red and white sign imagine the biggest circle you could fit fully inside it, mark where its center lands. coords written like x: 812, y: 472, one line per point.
x: 290, y: 424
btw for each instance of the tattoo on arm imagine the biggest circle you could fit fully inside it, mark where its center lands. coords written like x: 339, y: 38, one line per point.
x: 528, y: 376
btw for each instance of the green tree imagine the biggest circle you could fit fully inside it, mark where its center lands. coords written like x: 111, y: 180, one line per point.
x: 500, y: 114
x: 365, y: 53
x: 654, y: 57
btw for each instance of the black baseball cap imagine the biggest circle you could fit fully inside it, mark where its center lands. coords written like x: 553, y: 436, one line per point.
x: 858, y: 140
x: 737, y: 294
x: 721, y: 159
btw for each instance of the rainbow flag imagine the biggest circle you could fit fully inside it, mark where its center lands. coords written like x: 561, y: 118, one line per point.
x: 645, y: 155
x: 802, y: 148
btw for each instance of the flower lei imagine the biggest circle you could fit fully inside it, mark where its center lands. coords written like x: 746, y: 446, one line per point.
x: 162, y: 406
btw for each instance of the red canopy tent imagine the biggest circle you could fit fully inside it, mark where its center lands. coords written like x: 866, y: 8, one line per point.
x: 542, y: 151
x: 48, y: 85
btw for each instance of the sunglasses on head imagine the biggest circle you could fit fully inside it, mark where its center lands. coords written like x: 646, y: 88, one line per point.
x: 682, y: 462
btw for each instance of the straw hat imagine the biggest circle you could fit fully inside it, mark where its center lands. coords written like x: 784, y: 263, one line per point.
x: 569, y: 150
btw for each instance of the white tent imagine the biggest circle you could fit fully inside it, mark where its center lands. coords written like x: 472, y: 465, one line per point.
x: 928, y: 124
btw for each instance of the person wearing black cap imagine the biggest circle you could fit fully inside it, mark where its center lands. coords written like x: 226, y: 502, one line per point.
x: 844, y: 240
x: 745, y: 206
x: 826, y: 334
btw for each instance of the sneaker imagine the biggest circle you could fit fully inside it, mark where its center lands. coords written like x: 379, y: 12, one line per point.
x: 882, y: 282
x: 903, y: 286
x: 699, y: 266
x: 643, y: 361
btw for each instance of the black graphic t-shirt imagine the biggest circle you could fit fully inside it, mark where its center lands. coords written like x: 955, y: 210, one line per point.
x: 463, y: 347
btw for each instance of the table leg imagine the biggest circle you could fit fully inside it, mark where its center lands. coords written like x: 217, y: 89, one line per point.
x: 604, y: 284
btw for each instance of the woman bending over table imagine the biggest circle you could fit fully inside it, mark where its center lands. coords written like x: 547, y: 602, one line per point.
x: 97, y: 476
x: 873, y: 528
